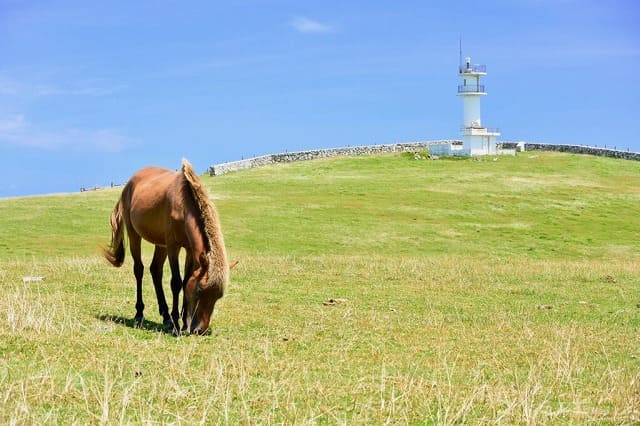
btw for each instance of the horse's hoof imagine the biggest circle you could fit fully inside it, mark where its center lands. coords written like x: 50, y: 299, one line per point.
x: 175, y: 332
x: 168, y: 324
x: 138, y: 321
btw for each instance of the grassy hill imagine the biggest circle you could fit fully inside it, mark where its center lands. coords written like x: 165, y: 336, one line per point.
x: 378, y: 289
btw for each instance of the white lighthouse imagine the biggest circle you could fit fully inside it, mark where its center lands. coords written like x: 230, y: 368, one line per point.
x: 476, y: 139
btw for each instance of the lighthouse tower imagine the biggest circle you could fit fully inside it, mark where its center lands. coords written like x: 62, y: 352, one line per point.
x: 476, y: 139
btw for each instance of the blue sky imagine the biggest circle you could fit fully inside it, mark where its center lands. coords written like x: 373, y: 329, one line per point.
x: 92, y: 91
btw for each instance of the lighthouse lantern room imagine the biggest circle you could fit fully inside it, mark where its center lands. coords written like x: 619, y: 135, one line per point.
x: 476, y: 139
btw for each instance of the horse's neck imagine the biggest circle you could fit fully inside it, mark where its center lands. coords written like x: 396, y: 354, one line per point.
x: 196, y: 235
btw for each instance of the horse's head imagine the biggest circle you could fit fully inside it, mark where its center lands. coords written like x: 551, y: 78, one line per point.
x: 203, y: 289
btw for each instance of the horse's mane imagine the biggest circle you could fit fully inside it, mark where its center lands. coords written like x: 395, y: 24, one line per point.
x: 210, y: 223
x: 207, y: 211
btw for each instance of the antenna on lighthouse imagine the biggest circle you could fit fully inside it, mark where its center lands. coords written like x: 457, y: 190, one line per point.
x: 460, y: 63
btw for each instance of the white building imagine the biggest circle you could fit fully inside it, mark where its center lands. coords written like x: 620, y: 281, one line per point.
x: 476, y: 139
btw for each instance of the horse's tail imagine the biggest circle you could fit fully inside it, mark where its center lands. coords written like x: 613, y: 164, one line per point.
x: 115, y: 252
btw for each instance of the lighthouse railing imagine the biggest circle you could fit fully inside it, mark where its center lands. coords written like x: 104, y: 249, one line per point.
x: 472, y: 68
x: 478, y: 129
x: 473, y: 88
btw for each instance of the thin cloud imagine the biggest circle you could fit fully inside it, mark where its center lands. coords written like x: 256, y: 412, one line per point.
x: 16, y: 130
x: 83, y: 89
x: 7, y: 86
x: 184, y: 69
x: 11, y: 124
x: 310, y: 26
x: 25, y: 88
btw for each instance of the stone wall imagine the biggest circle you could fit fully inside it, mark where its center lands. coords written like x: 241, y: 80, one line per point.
x: 575, y: 149
x: 287, y: 157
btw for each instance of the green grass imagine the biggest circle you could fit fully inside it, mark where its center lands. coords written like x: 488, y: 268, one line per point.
x: 472, y: 291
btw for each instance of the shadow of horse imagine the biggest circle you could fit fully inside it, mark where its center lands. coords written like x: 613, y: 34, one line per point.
x: 132, y: 323
x: 145, y: 325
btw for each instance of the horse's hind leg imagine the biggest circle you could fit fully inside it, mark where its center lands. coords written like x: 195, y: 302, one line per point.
x: 138, y: 271
x: 157, y: 265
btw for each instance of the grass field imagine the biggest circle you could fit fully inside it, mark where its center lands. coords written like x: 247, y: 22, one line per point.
x: 370, y: 290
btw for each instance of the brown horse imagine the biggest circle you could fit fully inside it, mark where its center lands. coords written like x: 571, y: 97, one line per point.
x: 172, y: 211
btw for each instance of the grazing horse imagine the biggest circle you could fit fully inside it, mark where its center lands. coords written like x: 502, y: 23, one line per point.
x: 172, y: 211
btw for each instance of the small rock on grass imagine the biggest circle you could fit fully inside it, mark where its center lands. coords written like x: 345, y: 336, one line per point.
x: 332, y: 302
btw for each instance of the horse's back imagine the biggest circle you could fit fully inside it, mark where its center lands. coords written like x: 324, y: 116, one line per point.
x: 153, y: 192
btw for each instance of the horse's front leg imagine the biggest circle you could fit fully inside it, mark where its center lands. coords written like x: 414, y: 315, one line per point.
x: 157, y: 265
x: 188, y: 271
x: 176, y: 285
